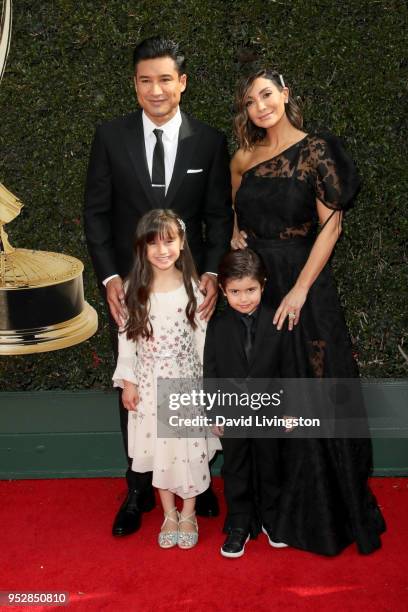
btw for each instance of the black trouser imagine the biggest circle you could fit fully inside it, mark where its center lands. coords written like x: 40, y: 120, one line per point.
x: 135, y: 480
x: 251, y: 480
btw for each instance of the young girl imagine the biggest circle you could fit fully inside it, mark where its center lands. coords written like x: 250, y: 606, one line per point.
x: 163, y: 338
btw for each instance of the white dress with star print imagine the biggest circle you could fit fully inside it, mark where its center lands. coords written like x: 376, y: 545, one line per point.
x: 179, y: 464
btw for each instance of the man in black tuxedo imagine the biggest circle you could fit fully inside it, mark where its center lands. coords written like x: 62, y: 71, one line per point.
x: 255, y: 350
x: 157, y: 157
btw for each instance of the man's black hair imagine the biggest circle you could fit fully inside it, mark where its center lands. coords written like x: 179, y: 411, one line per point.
x: 156, y: 46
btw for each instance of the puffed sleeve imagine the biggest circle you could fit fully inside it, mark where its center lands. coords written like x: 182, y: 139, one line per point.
x: 336, y: 180
x: 200, y: 331
x: 125, y: 367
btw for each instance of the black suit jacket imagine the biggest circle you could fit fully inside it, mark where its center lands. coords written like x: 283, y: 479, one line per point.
x: 224, y: 355
x: 271, y: 359
x: 118, y: 192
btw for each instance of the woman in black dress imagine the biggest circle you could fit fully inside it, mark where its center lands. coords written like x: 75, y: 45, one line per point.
x: 290, y: 190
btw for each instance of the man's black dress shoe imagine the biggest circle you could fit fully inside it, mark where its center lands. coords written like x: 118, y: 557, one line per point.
x: 129, y: 517
x: 234, y: 545
x: 207, y: 504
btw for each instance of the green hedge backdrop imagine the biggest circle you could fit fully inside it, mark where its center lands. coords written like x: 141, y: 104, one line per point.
x: 70, y: 67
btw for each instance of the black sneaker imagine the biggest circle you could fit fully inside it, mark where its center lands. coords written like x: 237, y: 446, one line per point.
x: 234, y: 545
x: 272, y: 543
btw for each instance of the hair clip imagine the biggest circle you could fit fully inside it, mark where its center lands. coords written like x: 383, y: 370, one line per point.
x: 282, y: 82
x: 182, y: 224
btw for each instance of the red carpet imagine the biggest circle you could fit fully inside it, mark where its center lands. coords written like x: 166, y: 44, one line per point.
x: 56, y: 537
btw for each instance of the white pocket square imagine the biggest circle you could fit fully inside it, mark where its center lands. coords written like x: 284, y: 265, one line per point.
x: 194, y: 170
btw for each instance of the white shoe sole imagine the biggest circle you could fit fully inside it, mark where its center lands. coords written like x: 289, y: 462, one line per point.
x: 271, y: 542
x: 234, y: 555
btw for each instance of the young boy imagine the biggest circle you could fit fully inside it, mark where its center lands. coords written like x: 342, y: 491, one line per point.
x: 242, y: 342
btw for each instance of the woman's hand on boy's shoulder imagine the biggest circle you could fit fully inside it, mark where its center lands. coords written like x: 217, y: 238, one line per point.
x: 130, y: 395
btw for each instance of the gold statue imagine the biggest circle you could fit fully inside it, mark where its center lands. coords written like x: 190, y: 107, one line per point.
x: 5, y: 34
x: 42, y: 306
x: 10, y: 208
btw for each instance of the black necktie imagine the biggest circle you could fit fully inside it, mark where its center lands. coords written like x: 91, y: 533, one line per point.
x: 158, y: 175
x: 248, y: 322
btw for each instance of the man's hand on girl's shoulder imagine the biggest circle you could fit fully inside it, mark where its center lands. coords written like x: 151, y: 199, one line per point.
x: 115, y: 296
x: 209, y: 288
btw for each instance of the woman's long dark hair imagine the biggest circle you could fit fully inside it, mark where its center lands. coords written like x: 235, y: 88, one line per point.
x: 247, y: 133
x: 163, y: 224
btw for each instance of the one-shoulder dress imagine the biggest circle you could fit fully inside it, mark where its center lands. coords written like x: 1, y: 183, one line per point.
x: 326, y: 503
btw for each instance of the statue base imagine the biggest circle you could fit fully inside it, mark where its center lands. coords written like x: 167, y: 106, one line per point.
x: 51, y: 337
x: 42, y: 306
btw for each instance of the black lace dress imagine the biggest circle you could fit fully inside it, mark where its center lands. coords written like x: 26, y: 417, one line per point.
x: 326, y: 503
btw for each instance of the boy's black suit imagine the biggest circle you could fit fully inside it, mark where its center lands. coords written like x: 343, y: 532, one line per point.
x: 224, y: 355
x: 251, y: 466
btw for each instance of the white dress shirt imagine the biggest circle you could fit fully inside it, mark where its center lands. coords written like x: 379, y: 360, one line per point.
x: 170, y: 140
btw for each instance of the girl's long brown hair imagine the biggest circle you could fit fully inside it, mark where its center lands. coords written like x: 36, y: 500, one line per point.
x: 163, y: 224
x: 247, y: 133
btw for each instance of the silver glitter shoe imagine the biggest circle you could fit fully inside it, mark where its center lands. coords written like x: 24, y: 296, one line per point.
x: 187, y: 539
x: 168, y: 539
